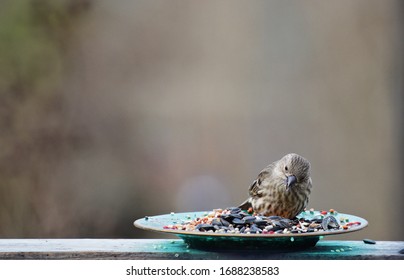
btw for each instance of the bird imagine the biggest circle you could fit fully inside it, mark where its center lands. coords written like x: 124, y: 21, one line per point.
x: 281, y: 189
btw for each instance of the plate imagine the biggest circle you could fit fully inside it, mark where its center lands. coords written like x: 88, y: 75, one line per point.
x: 219, y: 241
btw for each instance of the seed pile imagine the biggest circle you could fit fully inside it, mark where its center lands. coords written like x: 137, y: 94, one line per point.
x: 234, y: 220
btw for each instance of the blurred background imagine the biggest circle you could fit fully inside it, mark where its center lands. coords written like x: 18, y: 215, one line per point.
x: 113, y: 110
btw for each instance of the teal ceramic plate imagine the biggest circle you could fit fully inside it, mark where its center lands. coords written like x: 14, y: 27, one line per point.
x: 237, y: 241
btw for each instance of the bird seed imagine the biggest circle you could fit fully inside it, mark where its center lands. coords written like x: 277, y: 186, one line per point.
x: 234, y: 220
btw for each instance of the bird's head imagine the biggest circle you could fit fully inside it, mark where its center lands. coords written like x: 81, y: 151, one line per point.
x: 295, y: 168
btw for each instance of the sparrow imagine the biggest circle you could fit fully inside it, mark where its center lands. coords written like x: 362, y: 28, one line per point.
x: 281, y: 189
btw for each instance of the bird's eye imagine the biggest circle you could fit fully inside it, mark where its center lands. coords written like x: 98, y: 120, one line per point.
x: 286, y: 168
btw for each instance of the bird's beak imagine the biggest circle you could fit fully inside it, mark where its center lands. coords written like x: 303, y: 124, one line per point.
x: 290, y: 181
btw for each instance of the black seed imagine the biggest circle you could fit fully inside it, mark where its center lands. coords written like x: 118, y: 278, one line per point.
x: 279, y: 231
x: 237, y: 221
x: 401, y: 251
x: 317, y: 219
x: 261, y: 223
x: 274, y: 217
x: 255, y: 229
x: 243, y: 214
x: 228, y: 218
x: 204, y: 227
x: 276, y: 228
x: 216, y: 222
x: 236, y: 216
x: 249, y: 219
x: 234, y: 210
x: 310, y: 230
x: 224, y: 222
x: 284, y: 223
x: 329, y: 222
x: 369, y: 241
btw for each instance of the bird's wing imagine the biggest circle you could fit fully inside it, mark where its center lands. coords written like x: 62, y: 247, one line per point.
x: 254, y: 191
x: 256, y: 187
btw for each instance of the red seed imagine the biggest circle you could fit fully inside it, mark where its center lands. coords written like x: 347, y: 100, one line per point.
x: 324, y: 212
x: 353, y: 223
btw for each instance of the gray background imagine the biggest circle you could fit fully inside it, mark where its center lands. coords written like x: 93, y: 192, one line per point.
x: 176, y: 106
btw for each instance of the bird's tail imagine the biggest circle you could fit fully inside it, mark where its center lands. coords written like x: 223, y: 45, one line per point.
x: 245, y: 205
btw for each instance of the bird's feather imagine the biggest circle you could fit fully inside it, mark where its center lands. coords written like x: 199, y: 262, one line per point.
x: 268, y: 194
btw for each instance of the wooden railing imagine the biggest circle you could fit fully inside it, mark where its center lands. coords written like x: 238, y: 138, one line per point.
x: 177, y: 249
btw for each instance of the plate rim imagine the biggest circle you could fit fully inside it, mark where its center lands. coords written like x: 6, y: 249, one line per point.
x: 136, y: 223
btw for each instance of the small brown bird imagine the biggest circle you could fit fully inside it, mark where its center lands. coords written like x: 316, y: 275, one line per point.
x: 282, y: 188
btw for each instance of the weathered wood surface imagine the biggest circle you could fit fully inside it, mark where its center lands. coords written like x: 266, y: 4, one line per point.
x: 177, y: 249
